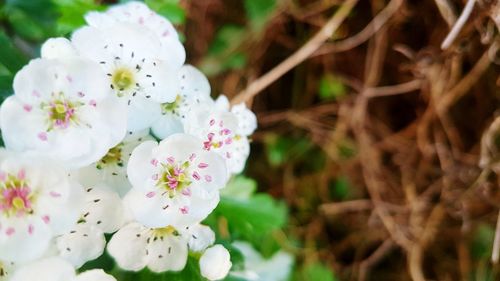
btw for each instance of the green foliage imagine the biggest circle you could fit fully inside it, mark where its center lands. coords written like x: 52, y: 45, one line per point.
x: 331, y: 88
x: 71, y: 13
x: 223, y: 53
x: 258, y: 12
x: 340, y: 188
x: 314, y: 272
x: 239, y: 187
x: 481, y: 242
x: 33, y: 20
x: 170, y: 9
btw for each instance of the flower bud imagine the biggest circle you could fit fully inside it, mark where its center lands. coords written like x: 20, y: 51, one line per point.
x: 215, y: 263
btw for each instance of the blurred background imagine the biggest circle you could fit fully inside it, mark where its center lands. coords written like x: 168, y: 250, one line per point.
x: 376, y: 158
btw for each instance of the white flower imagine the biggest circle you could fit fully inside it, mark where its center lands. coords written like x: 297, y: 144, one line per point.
x: 194, y: 89
x: 200, y: 237
x: 247, y: 121
x: 37, y: 202
x: 103, y: 208
x: 63, y: 109
x: 259, y: 269
x: 141, y: 68
x: 6, y: 269
x: 112, y: 168
x: 174, y: 182
x: 56, y: 269
x: 218, y: 130
x: 84, y: 243
x: 215, y: 263
x: 103, y: 213
x: 94, y: 275
x: 55, y: 48
x: 162, y: 249
x: 138, y: 13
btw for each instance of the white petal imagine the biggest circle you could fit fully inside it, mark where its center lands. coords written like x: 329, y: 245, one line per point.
x: 158, y: 81
x: 166, y: 125
x: 50, y: 269
x: 84, y: 243
x: 247, y: 121
x: 159, y: 211
x: 142, y: 113
x: 139, y: 166
x: 128, y: 247
x: 103, y: 208
x: 20, y: 245
x: 94, y: 275
x: 193, y: 81
x: 222, y: 103
x: 57, y: 48
x: 215, y: 263
x: 168, y: 253
x: 200, y: 237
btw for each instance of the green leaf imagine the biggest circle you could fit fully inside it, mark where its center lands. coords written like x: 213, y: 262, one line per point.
x: 171, y: 9
x: 331, y: 88
x: 315, y: 272
x: 251, y: 219
x: 340, y: 188
x: 258, y: 11
x: 72, y: 14
x: 10, y: 57
x: 223, y: 53
x: 482, y: 240
x: 240, y: 187
x: 33, y: 20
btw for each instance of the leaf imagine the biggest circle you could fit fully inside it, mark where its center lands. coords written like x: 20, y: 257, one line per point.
x: 317, y: 271
x: 72, y: 14
x: 482, y: 240
x: 171, y: 9
x: 340, y: 189
x: 240, y: 187
x: 223, y: 53
x: 10, y: 57
x: 331, y: 88
x: 33, y: 20
x: 251, y: 219
x: 258, y: 11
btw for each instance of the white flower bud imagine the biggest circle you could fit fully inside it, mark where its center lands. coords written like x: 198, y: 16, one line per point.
x: 215, y: 263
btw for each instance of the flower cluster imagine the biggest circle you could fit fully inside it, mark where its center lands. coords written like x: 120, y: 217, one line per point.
x: 109, y: 132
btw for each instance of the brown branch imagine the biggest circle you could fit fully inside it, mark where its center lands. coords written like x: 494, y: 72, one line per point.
x: 378, y: 22
x: 299, y: 56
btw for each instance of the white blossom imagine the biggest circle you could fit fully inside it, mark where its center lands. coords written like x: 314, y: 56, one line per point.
x: 215, y: 263
x: 63, y: 109
x: 83, y: 243
x: 103, y: 212
x: 56, y: 269
x: 135, y: 247
x: 194, y: 89
x: 218, y: 130
x: 56, y: 48
x: 200, y: 237
x: 37, y: 202
x: 141, y: 66
x: 174, y: 182
x: 247, y: 121
x: 135, y: 12
x: 111, y: 169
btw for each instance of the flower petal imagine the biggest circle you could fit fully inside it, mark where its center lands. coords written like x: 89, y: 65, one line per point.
x: 128, y: 247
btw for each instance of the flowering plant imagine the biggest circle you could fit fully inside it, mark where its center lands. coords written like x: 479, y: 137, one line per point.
x: 113, y: 143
